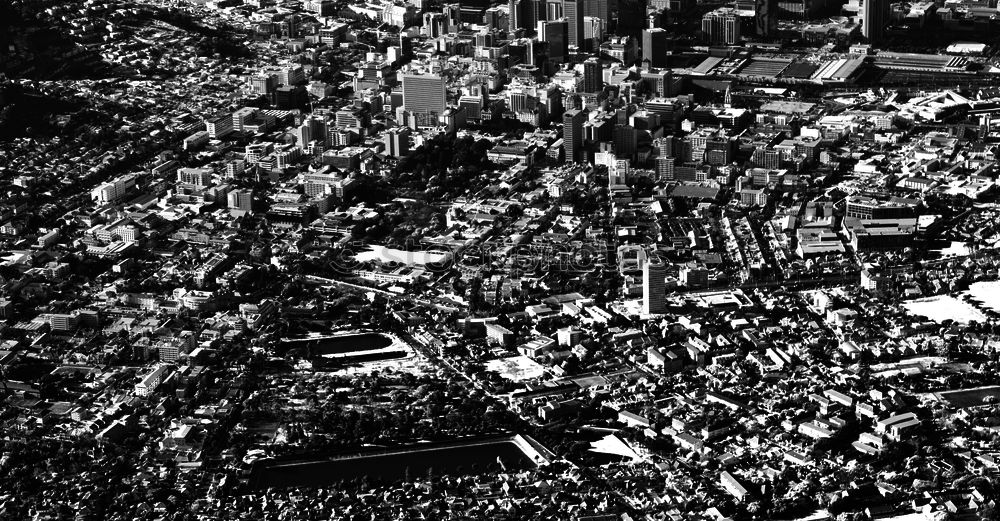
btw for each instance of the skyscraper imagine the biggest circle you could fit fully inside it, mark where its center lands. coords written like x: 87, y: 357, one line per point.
x: 593, y: 75
x: 625, y: 140
x: 553, y: 9
x: 654, y: 46
x: 631, y: 18
x: 593, y: 32
x: 435, y: 24
x: 597, y: 9
x: 524, y: 14
x: 654, y: 274
x: 397, y: 141
x: 554, y: 33
x: 514, y: 17
x: 573, y: 12
x: 424, y: 93
x: 765, y: 17
x: 538, y: 11
x: 876, y: 16
x: 664, y: 168
x: 491, y: 18
x: 573, y: 134
x: 453, y: 15
x: 721, y: 26
x: 303, y: 135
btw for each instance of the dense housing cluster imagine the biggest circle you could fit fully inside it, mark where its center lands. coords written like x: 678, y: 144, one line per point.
x: 536, y: 259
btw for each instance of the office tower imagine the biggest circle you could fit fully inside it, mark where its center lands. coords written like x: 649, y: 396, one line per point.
x: 424, y: 93
x: 435, y: 24
x: 664, y: 146
x: 626, y: 140
x: 876, y: 16
x: 243, y: 117
x: 254, y: 152
x: 453, y: 17
x: 290, y: 75
x: 303, y: 135
x: 718, y: 150
x: 553, y: 9
x: 573, y: 12
x: 520, y: 101
x: 554, y: 34
x: 397, y: 142
x: 473, y: 106
x: 235, y: 168
x: 485, y: 39
x: 194, y: 176
x: 593, y: 32
x: 405, y: 47
x: 492, y: 17
x: 597, y: 9
x: 593, y: 75
x: 654, y: 46
x: 240, y: 200
x: 654, y: 274
x: 664, y: 169
x: 263, y: 84
x: 537, y: 11
x: 525, y: 13
x: 765, y: 17
x: 219, y: 127
x: 721, y: 26
x: 287, y: 97
x: 631, y: 18
x: 573, y: 134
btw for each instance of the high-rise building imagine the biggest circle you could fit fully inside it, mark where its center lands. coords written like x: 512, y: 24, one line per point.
x: 235, y: 168
x: 263, y: 84
x: 199, y: 177
x: 553, y: 9
x: 554, y: 33
x: 219, y: 127
x: 289, y: 75
x: 240, y: 200
x: 593, y: 75
x: 473, y: 106
x: 573, y: 134
x: 625, y: 140
x: 513, y: 15
x: 573, y: 12
x: 537, y: 12
x: 593, y: 32
x: 288, y: 97
x: 453, y: 15
x: 492, y: 18
x: 631, y: 18
x: 597, y: 9
x: 654, y: 274
x: 435, y: 24
x: 405, y: 47
x: 876, y: 16
x: 765, y: 16
x: 654, y: 46
x: 721, y: 26
x: 524, y: 14
x: 397, y: 142
x: 664, y: 169
x: 303, y: 135
x: 424, y: 93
